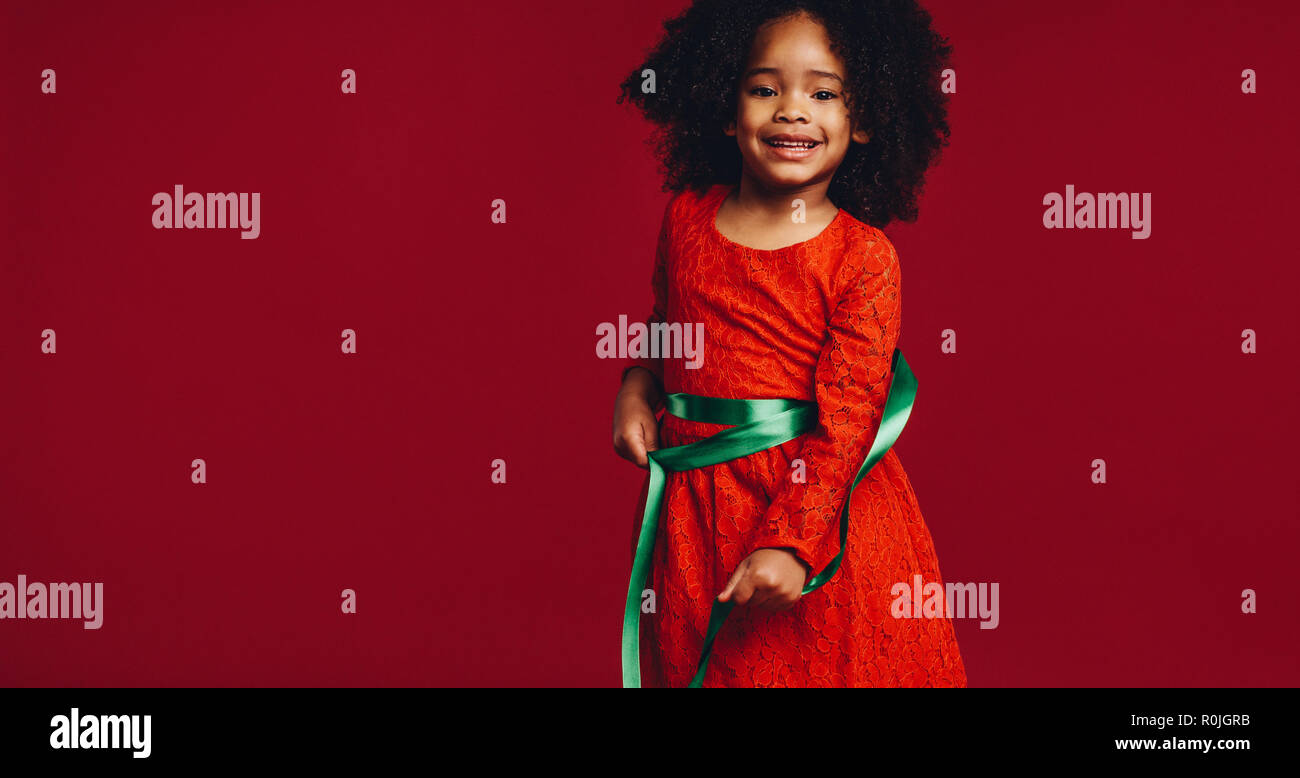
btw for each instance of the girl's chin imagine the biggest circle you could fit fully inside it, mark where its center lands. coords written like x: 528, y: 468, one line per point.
x: 788, y: 172
x: 785, y: 176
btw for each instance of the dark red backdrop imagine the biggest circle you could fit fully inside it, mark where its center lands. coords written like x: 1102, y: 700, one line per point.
x: 477, y: 341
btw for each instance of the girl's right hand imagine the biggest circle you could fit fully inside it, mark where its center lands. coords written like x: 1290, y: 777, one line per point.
x: 636, y: 430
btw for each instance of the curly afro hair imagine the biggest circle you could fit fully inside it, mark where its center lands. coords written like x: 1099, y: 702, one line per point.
x: 894, y: 61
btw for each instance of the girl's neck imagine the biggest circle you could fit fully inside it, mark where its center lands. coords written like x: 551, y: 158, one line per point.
x: 761, y: 218
x: 755, y: 200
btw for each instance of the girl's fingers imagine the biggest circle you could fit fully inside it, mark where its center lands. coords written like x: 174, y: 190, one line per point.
x: 773, y: 600
x: 650, y: 434
x: 639, y: 453
x: 731, y: 584
x: 634, y: 448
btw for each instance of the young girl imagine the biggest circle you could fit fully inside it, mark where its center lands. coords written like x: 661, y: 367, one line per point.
x: 791, y: 133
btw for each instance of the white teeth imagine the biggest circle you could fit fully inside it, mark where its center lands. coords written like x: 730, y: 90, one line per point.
x: 793, y: 144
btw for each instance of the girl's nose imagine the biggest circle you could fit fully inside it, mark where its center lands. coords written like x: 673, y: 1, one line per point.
x: 791, y: 108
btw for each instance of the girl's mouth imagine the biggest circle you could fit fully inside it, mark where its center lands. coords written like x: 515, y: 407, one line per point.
x: 792, y: 148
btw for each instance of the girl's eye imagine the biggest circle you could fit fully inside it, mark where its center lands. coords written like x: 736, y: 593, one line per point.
x: 765, y: 91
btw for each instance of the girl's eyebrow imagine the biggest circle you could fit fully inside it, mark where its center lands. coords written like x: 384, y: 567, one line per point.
x: 777, y: 71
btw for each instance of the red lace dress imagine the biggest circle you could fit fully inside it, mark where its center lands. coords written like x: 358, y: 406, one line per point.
x: 815, y: 321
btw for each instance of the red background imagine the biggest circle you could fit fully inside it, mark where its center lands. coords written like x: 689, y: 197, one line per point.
x: 477, y: 341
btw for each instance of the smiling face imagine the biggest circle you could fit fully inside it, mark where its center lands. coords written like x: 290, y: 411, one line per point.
x: 792, y: 120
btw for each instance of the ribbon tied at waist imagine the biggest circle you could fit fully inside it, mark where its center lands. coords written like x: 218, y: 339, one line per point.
x: 755, y: 425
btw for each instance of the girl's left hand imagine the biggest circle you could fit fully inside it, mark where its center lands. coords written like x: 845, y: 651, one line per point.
x: 770, y: 578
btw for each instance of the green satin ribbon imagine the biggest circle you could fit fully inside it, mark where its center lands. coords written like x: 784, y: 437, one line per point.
x: 758, y: 425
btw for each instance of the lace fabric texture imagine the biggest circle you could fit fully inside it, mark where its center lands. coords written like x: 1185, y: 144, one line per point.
x: 817, y: 321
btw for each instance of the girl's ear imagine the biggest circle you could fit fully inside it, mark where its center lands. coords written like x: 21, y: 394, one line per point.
x: 730, y: 129
x: 857, y: 134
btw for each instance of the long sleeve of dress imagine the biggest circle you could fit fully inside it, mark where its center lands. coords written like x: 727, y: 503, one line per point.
x: 852, y: 383
x: 659, y: 297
